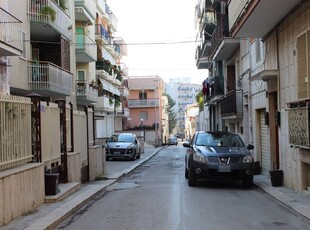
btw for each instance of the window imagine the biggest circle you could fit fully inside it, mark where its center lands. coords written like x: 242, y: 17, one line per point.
x: 143, y: 115
x: 303, y: 62
x: 142, y: 95
x: 81, y: 75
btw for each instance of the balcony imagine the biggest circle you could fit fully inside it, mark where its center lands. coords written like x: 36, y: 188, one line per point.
x: 101, y: 34
x: 48, y: 21
x: 85, y: 11
x: 203, y: 54
x: 86, y: 48
x: 123, y: 46
x: 143, y: 103
x: 49, y: 80
x: 10, y: 34
x: 105, y: 71
x: 253, y: 18
x: 85, y: 94
x: 223, y: 46
x: 105, y: 103
x: 112, y: 22
x: 232, y: 104
x: 103, y: 9
x: 124, y: 91
x: 215, y: 90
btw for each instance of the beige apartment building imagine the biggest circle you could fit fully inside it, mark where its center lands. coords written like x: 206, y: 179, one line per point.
x: 57, y: 100
x: 256, y: 52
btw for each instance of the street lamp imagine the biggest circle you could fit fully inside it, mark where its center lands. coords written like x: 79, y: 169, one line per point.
x: 155, y: 123
x: 142, y: 129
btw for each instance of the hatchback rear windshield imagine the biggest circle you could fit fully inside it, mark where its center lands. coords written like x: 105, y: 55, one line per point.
x: 121, y: 138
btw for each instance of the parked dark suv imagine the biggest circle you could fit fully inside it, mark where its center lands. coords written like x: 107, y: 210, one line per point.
x: 218, y: 155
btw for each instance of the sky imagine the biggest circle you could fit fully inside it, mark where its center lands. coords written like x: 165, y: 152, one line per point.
x: 160, y: 37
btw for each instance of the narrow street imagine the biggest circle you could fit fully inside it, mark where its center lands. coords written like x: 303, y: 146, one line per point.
x: 156, y: 196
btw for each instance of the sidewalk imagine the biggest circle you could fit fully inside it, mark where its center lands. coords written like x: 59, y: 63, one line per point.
x: 49, y: 215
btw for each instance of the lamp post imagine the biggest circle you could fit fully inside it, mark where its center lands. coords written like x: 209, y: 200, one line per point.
x: 155, y: 123
x: 142, y: 132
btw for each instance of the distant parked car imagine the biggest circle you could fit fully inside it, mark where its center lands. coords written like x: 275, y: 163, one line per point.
x: 172, y: 141
x: 123, y: 145
x: 218, y: 155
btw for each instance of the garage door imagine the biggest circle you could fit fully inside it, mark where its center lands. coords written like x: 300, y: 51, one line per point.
x: 265, y: 156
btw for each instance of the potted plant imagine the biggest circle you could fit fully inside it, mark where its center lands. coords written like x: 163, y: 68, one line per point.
x: 110, y: 101
x: 48, y: 11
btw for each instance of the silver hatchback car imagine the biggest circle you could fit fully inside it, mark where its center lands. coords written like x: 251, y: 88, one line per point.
x: 123, y: 145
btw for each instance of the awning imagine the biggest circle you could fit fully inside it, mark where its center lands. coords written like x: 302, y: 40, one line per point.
x: 109, y: 87
x: 107, y: 56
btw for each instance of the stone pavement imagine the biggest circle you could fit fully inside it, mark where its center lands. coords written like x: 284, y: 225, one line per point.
x: 49, y: 215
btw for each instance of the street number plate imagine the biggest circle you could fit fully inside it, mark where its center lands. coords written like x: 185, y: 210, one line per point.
x: 224, y: 168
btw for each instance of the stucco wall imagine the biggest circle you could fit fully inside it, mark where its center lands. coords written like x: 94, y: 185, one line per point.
x: 21, y: 191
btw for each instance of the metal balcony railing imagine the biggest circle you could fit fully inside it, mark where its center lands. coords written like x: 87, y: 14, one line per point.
x: 89, y: 6
x: 48, y: 79
x: 85, y: 45
x: 101, y: 32
x: 215, y: 88
x: 85, y: 94
x: 221, y: 31
x: 39, y: 11
x: 10, y: 30
x: 232, y: 103
x: 143, y: 103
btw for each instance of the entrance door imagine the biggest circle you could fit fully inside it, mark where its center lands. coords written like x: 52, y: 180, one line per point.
x: 79, y: 37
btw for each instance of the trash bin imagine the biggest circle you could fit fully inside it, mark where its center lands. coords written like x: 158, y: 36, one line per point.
x: 276, y: 177
x: 51, y: 183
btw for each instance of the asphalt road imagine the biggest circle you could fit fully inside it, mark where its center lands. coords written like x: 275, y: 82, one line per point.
x: 156, y: 196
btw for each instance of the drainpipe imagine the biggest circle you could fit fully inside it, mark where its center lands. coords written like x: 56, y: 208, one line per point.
x: 87, y: 141
x: 278, y: 94
x: 72, y: 127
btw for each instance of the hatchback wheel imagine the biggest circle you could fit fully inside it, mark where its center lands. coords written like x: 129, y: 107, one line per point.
x: 139, y: 154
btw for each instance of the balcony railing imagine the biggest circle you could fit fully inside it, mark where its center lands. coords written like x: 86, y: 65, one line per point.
x: 47, y: 79
x: 86, y: 49
x: 101, y: 33
x: 112, y: 21
x: 10, y: 33
x: 59, y: 20
x: 221, y: 31
x: 143, y: 103
x: 124, y: 91
x: 232, y: 104
x: 85, y: 94
x: 215, y: 89
x: 85, y: 10
x: 105, y: 104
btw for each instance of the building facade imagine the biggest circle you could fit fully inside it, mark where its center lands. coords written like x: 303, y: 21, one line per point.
x: 146, y: 105
x: 183, y: 93
x: 258, y: 83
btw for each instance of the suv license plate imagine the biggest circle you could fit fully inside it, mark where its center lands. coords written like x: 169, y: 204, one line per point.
x: 224, y: 168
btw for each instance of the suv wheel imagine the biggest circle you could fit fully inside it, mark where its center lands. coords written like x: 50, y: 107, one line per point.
x: 186, y: 173
x: 192, y: 179
x: 247, y: 182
